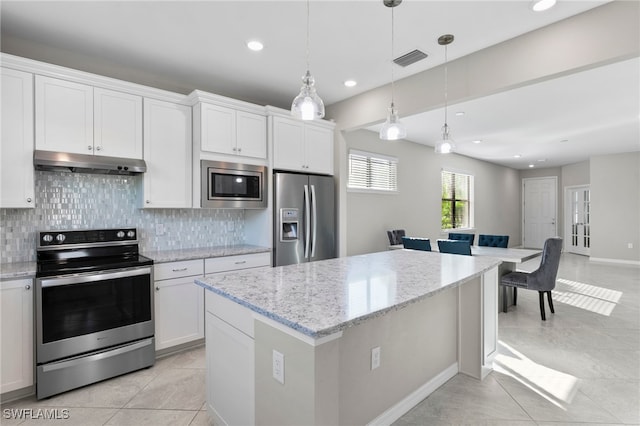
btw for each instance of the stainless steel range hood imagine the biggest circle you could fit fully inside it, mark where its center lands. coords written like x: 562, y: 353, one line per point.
x: 81, y: 163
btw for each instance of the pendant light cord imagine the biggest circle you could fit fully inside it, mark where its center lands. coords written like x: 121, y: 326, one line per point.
x: 446, y: 85
x: 392, y: 41
x: 308, y: 35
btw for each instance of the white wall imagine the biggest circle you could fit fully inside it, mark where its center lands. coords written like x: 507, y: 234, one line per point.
x: 416, y: 206
x: 615, y: 207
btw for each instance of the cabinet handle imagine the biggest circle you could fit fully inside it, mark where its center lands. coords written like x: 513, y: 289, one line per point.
x: 98, y: 148
x: 148, y: 202
x: 27, y: 287
x: 28, y: 200
x: 239, y: 149
x: 89, y: 147
x: 179, y: 269
x: 235, y: 149
x: 157, y: 288
x: 241, y: 262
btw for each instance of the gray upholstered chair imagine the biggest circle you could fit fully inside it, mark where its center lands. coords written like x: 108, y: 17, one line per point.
x: 542, y: 280
x: 415, y: 243
x: 395, y: 236
x: 493, y: 240
x: 454, y: 247
x: 462, y: 236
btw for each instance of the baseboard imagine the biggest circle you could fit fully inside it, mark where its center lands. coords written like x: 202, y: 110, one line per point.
x: 616, y: 261
x: 402, y: 407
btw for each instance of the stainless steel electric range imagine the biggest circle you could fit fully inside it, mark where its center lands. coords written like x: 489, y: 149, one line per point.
x: 94, y: 308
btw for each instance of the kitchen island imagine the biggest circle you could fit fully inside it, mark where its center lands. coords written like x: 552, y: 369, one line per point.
x: 352, y: 340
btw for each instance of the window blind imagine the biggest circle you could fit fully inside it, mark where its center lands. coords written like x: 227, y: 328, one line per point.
x: 371, y: 171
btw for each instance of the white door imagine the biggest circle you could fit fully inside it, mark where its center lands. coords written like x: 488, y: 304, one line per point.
x: 577, y: 227
x: 539, y: 210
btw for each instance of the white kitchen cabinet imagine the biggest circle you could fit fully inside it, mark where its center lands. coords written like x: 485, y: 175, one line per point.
x: 230, y: 362
x: 16, y: 314
x: 179, y: 303
x: 233, y: 263
x: 78, y: 118
x: 167, y: 152
x: 302, y: 146
x: 16, y: 147
x: 228, y: 131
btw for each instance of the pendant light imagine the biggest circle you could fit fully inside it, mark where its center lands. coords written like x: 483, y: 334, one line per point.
x: 392, y: 129
x: 445, y: 145
x: 307, y: 105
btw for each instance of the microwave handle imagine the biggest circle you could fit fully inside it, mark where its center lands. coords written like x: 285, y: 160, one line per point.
x: 307, y: 220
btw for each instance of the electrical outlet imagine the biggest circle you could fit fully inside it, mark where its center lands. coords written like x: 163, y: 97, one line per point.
x: 375, y: 357
x: 278, y: 366
x: 630, y: 245
x: 159, y: 229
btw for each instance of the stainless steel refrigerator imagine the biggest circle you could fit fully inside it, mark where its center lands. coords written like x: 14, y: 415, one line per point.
x: 304, y: 218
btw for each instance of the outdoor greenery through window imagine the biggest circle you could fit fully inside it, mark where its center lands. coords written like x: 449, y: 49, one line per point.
x: 376, y: 172
x: 456, y: 200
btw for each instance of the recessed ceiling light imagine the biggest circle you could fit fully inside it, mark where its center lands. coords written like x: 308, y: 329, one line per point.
x: 255, y: 45
x: 460, y: 113
x: 542, y: 160
x: 517, y: 156
x: 477, y: 141
x: 350, y: 83
x: 541, y: 5
x: 531, y: 166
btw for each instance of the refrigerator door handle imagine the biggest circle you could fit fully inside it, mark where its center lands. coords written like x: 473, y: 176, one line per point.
x: 314, y: 216
x: 307, y: 221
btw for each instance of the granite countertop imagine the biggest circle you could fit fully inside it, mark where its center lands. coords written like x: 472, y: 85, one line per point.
x: 163, y: 256
x: 324, y: 297
x: 17, y: 270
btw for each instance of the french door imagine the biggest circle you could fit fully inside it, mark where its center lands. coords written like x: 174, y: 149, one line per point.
x: 577, y: 222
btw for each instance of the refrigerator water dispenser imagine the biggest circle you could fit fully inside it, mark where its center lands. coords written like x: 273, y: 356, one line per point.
x: 289, y: 225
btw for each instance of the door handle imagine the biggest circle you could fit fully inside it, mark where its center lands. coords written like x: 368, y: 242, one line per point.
x: 307, y: 219
x: 314, y: 217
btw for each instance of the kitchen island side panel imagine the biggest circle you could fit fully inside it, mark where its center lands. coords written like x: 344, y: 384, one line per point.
x: 333, y: 383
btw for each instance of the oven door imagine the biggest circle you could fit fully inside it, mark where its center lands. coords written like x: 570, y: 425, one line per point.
x: 81, y: 313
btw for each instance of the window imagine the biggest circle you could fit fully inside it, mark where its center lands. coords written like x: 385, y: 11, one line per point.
x: 457, y: 194
x: 376, y: 172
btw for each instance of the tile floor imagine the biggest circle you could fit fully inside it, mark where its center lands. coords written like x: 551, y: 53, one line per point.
x: 581, y: 366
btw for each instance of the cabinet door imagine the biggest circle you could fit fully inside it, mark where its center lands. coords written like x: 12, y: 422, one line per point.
x: 288, y: 144
x: 64, y: 116
x: 16, y: 315
x: 230, y: 373
x: 218, y: 129
x: 16, y: 146
x: 319, y: 149
x: 251, y: 134
x: 117, y: 124
x: 179, y: 312
x: 167, y: 152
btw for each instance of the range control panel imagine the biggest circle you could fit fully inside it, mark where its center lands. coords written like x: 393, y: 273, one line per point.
x: 90, y: 236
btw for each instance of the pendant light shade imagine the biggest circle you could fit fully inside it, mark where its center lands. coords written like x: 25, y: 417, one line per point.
x: 393, y: 129
x: 446, y: 144
x: 307, y: 105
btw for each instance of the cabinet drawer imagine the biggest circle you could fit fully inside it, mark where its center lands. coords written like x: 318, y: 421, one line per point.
x: 238, y: 316
x: 233, y: 263
x: 185, y: 268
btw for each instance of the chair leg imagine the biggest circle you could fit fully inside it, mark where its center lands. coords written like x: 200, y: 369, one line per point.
x: 504, y: 298
x: 542, y: 314
x: 550, y: 302
x: 515, y: 295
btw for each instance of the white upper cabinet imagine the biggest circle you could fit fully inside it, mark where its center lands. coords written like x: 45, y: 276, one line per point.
x: 65, y: 113
x: 167, y: 152
x: 228, y: 131
x: 16, y: 147
x: 301, y: 146
x: 117, y: 124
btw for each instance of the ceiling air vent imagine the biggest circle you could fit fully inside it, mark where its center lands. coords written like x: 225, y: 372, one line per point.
x: 410, y: 58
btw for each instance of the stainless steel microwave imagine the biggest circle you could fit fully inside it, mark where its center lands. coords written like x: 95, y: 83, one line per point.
x: 233, y: 186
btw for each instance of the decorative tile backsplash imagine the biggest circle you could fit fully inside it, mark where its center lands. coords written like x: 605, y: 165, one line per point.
x: 90, y: 201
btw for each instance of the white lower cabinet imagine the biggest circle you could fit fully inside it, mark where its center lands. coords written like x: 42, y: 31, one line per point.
x: 234, y: 263
x: 16, y: 320
x: 179, y: 303
x: 230, y: 371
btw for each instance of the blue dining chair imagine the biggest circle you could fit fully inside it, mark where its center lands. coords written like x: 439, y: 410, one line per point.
x: 501, y: 241
x: 416, y: 243
x: 454, y: 247
x: 462, y: 237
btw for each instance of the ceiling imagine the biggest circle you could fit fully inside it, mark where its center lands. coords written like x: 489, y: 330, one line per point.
x: 185, y: 45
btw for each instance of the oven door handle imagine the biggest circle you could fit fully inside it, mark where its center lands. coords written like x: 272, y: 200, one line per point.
x: 101, y: 276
